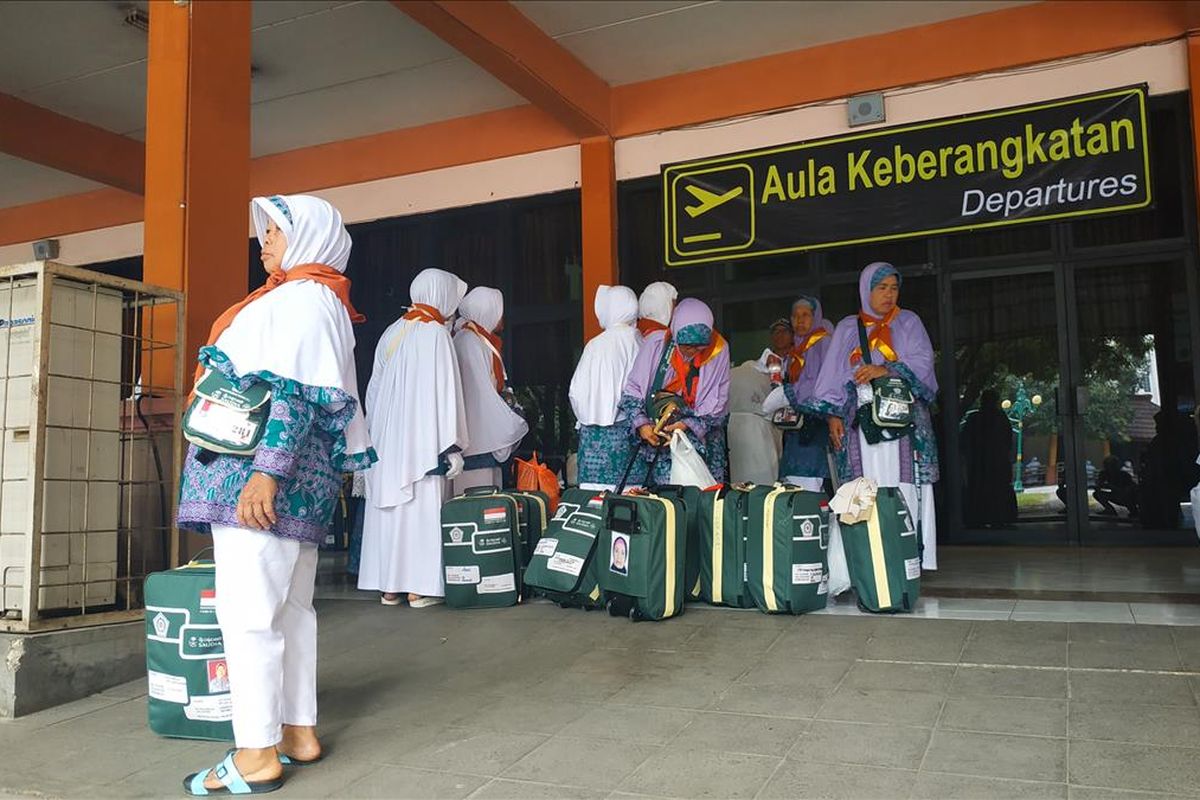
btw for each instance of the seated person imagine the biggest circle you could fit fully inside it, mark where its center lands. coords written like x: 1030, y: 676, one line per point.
x: 1115, y: 487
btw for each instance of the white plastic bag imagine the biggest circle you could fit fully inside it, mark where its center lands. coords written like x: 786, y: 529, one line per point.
x: 1196, y: 507
x: 839, y: 570
x: 687, y: 467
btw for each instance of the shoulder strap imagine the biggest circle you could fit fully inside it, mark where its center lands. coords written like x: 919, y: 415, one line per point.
x: 660, y: 376
x: 863, y: 344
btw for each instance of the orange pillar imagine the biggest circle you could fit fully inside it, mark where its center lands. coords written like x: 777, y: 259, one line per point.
x: 598, y: 190
x: 198, y: 158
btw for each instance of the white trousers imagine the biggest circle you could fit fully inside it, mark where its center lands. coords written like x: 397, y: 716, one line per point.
x: 808, y: 484
x: 881, y: 463
x: 264, y: 606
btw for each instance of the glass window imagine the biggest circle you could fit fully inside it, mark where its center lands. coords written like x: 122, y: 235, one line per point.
x: 1001, y: 241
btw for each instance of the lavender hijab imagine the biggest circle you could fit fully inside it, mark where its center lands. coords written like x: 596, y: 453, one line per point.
x: 814, y: 357
x: 914, y: 351
x: 712, y: 395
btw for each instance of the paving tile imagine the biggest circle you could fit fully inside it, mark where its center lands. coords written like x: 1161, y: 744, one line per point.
x: 776, y: 701
x: 1166, y: 613
x: 591, y: 763
x: 655, y: 726
x: 686, y: 772
x: 744, y: 641
x: 1040, y: 717
x: 1131, y: 687
x: 1187, y: 643
x: 1105, y: 655
x: 932, y: 678
x: 777, y: 670
x: 1094, y: 793
x: 856, y: 743
x: 1009, y: 682
x: 523, y: 714
x: 1020, y: 631
x: 467, y: 751
x: 817, y: 781
x: 1177, y: 726
x: 835, y: 625
x: 1012, y: 651
x: 992, y: 755
x: 917, y: 646
x: 809, y: 645
x: 417, y: 784
x: 939, y: 786
x: 1120, y: 765
x: 679, y: 691
x: 1120, y: 634
x: 882, y: 706
x: 506, y: 789
x: 741, y: 733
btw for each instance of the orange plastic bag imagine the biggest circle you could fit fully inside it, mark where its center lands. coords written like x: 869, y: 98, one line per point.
x: 533, y: 476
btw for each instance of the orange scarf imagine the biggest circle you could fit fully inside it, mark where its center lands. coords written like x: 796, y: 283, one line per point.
x: 647, y: 326
x: 338, y: 283
x: 423, y: 313
x: 498, y: 347
x: 879, y: 336
x: 686, y: 380
x: 796, y: 361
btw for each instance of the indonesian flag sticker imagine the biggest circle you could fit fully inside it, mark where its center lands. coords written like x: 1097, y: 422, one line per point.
x: 493, y: 515
x: 208, y: 598
x: 596, y: 501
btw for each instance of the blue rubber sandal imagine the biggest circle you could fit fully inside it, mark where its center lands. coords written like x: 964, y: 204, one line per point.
x: 231, y: 780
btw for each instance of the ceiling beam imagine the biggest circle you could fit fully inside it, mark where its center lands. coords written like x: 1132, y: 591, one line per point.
x: 53, y: 140
x: 503, y: 41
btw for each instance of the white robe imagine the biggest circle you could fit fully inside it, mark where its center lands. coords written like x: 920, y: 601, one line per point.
x: 415, y: 413
x: 755, y: 444
x: 603, y: 368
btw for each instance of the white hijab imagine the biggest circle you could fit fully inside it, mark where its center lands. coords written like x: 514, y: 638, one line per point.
x: 301, y: 331
x: 494, y: 427
x: 598, y: 380
x: 415, y: 408
x: 657, y: 302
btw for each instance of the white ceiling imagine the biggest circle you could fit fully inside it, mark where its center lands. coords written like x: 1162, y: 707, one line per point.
x: 674, y: 37
x: 327, y: 70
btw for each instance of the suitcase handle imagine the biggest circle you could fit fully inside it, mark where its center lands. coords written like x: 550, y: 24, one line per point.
x: 613, y: 520
x: 475, y: 491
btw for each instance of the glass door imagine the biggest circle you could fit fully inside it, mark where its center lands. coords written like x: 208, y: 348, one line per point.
x: 1132, y: 398
x: 1004, y: 473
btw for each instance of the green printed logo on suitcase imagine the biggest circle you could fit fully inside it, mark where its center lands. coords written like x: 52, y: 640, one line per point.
x: 481, y: 550
x: 563, y: 566
x: 185, y: 656
x: 787, y: 550
x: 884, y: 555
x: 641, y: 555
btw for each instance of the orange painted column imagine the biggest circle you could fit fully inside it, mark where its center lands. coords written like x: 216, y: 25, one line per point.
x: 1193, y: 50
x: 598, y: 191
x: 198, y: 159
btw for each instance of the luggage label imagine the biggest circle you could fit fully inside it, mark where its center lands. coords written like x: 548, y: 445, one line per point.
x: 467, y: 534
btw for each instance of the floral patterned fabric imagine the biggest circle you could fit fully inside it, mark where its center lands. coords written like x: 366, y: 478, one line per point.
x: 302, y: 447
x: 604, y: 452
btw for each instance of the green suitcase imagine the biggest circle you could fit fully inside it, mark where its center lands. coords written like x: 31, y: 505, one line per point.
x: 883, y: 555
x: 641, y: 555
x: 692, y: 499
x: 185, y: 655
x: 787, y: 550
x: 722, y: 547
x: 535, y: 508
x: 481, y: 549
x: 563, y: 566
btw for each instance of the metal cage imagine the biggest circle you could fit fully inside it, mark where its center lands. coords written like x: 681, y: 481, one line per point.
x: 91, y: 394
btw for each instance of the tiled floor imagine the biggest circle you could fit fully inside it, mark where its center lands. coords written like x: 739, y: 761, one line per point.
x: 538, y: 701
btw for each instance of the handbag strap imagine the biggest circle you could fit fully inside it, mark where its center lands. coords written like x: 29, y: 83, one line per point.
x: 863, y: 345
